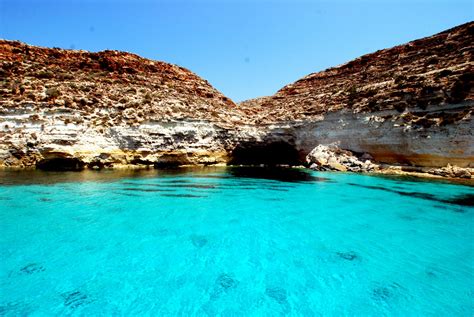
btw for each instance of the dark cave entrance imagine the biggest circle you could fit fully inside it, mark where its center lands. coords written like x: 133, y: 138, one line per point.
x: 266, y: 153
x: 60, y: 164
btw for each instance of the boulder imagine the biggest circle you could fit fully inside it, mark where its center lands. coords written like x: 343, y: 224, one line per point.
x: 452, y: 171
x: 332, y: 158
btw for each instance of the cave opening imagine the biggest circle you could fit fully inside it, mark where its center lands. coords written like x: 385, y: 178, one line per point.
x: 266, y: 153
x: 60, y: 164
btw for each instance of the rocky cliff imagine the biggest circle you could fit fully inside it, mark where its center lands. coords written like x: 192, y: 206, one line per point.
x: 411, y: 104
x: 75, y: 108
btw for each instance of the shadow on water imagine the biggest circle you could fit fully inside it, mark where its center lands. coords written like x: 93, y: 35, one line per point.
x: 28, y: 177
x: 281, y: 174
x: 460, y: 200
x: 417, y: 179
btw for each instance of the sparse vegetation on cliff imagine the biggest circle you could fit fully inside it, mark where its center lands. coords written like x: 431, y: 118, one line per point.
x: 112, y: 108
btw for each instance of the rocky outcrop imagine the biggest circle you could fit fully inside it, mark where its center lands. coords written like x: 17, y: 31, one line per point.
x: 428, y: 72
x: 395, y: 138
x: 410, y: 105
x: 332, y: 158
x: 107, y: 109
x: 452, y: 172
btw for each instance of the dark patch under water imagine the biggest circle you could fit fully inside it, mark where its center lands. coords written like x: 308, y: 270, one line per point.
x: 276, y: 293
x: 277, y: 189
x: 224, y: 283
x: 198, y: 240
x: 151, y: 190
x: 350, y: 256
x: 14, y: 309
x: 381, y: 293
x: 201, y: 241
x: 32, y: 268
x: 169, y: 184
x: 75, y: 299
x: 129, y: 194
x: 183, y: 195
x: 273, y: 199
x: 203, y: 186
x: 386, y: 292
x: 291, y: 175
x: 461, y: 200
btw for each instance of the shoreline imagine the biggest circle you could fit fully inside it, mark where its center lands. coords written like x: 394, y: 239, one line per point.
x: 384, y: 170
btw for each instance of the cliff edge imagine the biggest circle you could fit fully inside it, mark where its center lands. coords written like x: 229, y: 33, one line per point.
x: 409, y: 105
x: 75, y: 108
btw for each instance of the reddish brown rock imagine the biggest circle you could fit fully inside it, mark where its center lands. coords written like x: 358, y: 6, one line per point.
x: 131, y: 88
x: 106, y: 109
x: 424, y: 73
x: 410, y: 105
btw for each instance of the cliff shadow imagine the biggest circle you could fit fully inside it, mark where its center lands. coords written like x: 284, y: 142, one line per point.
x: 265, y: 152
x: 60, y: 164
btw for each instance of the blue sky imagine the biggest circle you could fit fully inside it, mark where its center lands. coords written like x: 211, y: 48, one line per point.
x: 243, y: 48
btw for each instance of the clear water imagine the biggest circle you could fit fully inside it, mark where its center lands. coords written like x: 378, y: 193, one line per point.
x: 234, y: 242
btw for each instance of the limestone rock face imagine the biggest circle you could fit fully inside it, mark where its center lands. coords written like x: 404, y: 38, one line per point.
x: 407, y: 105
x: 332, y: 158
x: 106, y: 109
x: 418, y: 75
x: 411, y: 104
x: 452, y: 171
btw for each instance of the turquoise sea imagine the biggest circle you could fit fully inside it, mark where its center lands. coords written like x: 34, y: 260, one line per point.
x: 234, y: 242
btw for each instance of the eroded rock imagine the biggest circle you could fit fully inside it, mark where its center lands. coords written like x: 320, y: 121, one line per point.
x: 332, y: 158
x: 452, y: 171
x: 409, y: 105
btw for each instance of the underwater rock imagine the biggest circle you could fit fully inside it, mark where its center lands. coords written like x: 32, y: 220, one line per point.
x: 75, y: 299
x: 385, y: 292
x: 381, y: 293
x: 15, y: 309
x: 276, y: 293
x: 224, y: 283
x: 198, y: 241
x: 32, y: 268
x: 350, y: 256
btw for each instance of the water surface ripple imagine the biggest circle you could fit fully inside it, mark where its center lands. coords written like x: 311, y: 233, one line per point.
x: 234, y: 242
